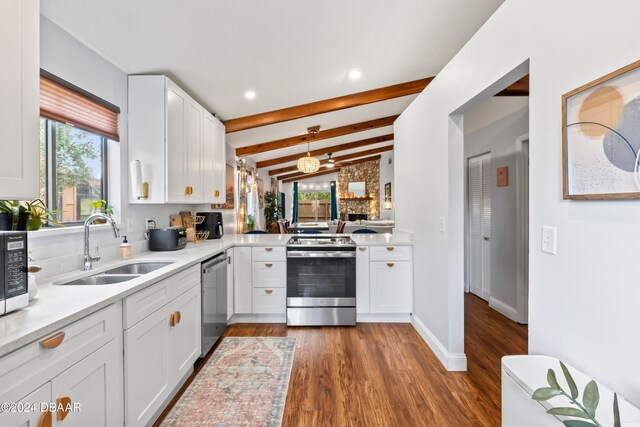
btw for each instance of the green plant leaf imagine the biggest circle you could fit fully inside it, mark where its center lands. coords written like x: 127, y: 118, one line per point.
x: 545, y: 393
x: 572, y: 384
x: 591, y: 398
x: 577, y: 423
x: 568, y: 412
x: 616, y: 411
x: 552, y: 380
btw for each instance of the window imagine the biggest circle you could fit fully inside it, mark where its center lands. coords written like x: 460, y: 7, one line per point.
x: 73, y: 170
x: 314, y: 206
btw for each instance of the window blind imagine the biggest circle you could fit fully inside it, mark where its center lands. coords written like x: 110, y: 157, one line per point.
x: 64, y: 102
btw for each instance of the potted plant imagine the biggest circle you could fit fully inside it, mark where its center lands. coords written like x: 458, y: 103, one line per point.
x: 103, y: 207
x: 13, y: 215
x: 251, y: 222
x: 39, y: 214
x: 270, y: 210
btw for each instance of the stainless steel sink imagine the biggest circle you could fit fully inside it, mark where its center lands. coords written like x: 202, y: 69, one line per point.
x: 137, y: 268
x: 101, y: 279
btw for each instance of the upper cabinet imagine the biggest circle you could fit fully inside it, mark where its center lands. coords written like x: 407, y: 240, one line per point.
x: 180, y: 146
x: 19, y: 99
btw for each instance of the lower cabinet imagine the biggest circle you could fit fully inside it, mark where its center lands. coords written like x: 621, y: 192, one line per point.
x: 269, y: 300
x: 260, y: 280
x: 159, y: 352
x: 390, y: 287
x: 362, y: 280
x: 242, y: 280
x: 30, y: 418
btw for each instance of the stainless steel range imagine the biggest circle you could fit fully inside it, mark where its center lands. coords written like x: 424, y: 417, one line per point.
x: 321, y: 280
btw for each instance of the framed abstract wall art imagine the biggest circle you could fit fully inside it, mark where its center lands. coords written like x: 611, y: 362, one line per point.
x: 601, y: 137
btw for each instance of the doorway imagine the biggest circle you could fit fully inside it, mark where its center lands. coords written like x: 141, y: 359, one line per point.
x: 479, y: 202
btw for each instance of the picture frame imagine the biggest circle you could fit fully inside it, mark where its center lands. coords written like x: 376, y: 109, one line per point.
x: 600, y: 140
x: 231, y: 185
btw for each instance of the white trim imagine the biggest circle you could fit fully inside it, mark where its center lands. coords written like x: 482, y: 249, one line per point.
x: 383, y: 318
x: 522, y: 237
x: 503, y: 308
x: 61, y: 231
x: 451, y: 361
x: 258, y: 318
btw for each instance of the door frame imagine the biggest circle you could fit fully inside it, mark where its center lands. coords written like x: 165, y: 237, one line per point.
x: 522, y: 228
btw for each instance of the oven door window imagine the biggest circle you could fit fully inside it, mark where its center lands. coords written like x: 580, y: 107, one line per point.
x: 321, y: 278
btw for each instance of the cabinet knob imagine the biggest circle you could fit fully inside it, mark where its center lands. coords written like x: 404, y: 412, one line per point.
x: 46, y: 419
x: 175, y: 317
x: 362, y: 248
x: 268, y: 291
x: 53, y: 341
x: 229, y: 260
x: 188, y: 190
x: 268, y: 249
x: 63, y: 406
x: 390, y: 248
x: 390, y: 264
x: 268, y: 265
x: 216, y: 193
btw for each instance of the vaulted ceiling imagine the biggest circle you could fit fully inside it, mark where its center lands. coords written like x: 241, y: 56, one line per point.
x: 289, y: 52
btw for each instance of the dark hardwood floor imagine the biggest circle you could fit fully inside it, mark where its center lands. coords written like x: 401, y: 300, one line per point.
x: 383, y: 374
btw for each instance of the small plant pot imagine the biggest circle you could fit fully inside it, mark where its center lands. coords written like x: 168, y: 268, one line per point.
x: 23, y: 219
x: 34, y: 224
x: 6, y: 221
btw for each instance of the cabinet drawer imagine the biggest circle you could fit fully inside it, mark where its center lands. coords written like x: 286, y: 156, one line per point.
x: 269, y: 274
x: 269, y: 253
x: 34, y: 364
x: 269, y: 301
x: 390, y: 253
x: 144, y: 302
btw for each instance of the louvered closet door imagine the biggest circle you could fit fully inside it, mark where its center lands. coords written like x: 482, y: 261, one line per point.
x: 480, y: 178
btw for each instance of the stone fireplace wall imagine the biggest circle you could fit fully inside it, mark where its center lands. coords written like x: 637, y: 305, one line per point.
x: 368, y: 172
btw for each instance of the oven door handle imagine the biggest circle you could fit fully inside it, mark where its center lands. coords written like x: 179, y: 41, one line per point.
x: 321, y: 254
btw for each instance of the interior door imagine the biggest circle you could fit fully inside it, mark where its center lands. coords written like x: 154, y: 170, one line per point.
x: 480, y: 179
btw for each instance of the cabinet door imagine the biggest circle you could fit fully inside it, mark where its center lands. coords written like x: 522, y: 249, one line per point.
x: 95, y: 385
x: 19, y: 102
x: 185, y: 334
x: 230, y: 263
x: 242, y: 280
x: 362, y: 280
x: 193, y: 173
x: 269, y: 301
x: 30, y: 418
x: 146, y: 367
x: 176, y: 146
x: 390, y: 290
x: 213, y: 160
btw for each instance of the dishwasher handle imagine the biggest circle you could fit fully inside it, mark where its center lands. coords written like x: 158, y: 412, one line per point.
x: 207, y: 265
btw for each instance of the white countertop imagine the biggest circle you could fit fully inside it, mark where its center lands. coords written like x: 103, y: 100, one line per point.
x: 57, y: 306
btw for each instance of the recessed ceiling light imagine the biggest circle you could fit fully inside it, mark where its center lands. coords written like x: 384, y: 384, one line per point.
x: 250, y: 94
x: 355, y: 74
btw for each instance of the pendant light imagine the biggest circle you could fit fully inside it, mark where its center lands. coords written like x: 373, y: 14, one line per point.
x: 309, y: 164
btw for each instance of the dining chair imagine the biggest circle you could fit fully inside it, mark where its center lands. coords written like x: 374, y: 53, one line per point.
x: 365, y: 231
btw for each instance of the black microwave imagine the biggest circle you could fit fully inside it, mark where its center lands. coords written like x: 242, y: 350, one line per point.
x: 14, y: 292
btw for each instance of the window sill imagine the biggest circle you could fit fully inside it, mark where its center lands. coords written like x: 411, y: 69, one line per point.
x: 63, y: 231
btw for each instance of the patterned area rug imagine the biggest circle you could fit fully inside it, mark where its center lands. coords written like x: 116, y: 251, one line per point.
x: 244, y: 383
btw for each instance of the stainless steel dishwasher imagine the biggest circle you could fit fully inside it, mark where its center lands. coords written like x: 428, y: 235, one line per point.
x: 214, y: 301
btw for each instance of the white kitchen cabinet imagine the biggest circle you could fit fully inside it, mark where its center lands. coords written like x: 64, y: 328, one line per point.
x: 390, y: 287
x: 20, y: 100
x: 180, y: 146
x: 362, y: 280
x: 30, y: 418
x: 214, y: 174
x: 159, y: 351
x: 269, y: 274
x: 230, y: 279
x: 269, y: 300
x: 242, y: 280
x: 95, y: 384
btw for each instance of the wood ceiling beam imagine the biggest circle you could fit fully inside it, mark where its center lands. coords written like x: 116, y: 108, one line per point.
x: 296, y: 176
x: 337, y: 159
x: 519, y: 88
x: 322, y: 135
x: 321, y: 151
x: 326, y: 106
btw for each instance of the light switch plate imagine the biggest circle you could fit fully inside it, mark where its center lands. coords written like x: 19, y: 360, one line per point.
x: 549, y: 239
x: 441, y: 224
x: 129, y: 225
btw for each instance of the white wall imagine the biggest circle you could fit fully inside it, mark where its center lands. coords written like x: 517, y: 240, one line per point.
x: 494, y: 126
x: 584, y: 300
x: 386, y: 175
x: 66, y: 57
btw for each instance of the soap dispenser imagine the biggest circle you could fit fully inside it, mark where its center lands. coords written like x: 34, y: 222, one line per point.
x: 125, y: 248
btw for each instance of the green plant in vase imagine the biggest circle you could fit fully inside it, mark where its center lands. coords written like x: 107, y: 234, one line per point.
x: 101, y: 206
x: 251, y: 222
x: 582, y: 414
x: 39, y: 214
x: 270, y: 209
x: 13, y: 215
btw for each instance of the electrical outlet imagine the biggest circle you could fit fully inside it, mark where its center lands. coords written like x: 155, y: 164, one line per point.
x: 129, y: 225
x: 441, y: 224
x: 549, y: 239
x: 149, y: 223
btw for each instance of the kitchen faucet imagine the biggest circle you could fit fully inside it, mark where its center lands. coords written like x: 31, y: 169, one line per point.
x: 87, y: 259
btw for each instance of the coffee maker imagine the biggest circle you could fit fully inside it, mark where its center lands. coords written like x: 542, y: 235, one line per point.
x: 212, y: 223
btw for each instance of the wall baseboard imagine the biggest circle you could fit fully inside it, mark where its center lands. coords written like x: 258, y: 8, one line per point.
x: 503, y: 308
x: 451, y: 361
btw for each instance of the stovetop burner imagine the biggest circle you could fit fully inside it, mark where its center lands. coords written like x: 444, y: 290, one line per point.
x: 323, y: 240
